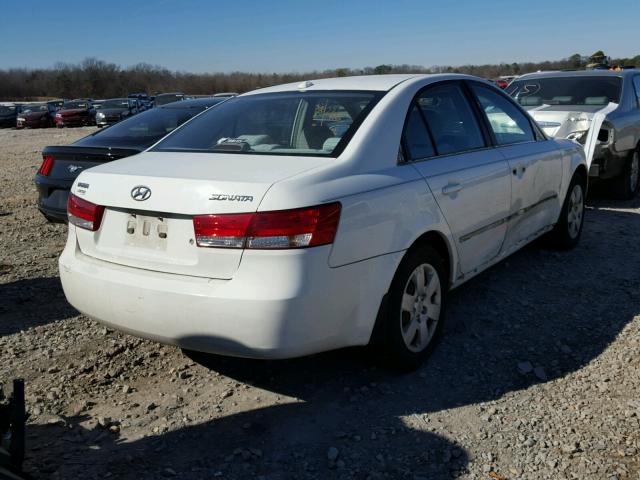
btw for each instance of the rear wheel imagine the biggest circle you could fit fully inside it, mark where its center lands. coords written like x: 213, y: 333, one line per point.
x: 627, y: 184
x: 566, y: 233
x: 415, y: 310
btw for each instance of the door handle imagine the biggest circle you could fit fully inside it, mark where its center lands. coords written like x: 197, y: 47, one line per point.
x: 519, y: 169
x: 451, y: 188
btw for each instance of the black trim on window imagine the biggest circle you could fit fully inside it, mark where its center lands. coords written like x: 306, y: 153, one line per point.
x: 487, y: 132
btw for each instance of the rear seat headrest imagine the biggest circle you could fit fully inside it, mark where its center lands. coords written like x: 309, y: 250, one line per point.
x: 596, y: 101
x: 331, y: 143
x: 530, y: 101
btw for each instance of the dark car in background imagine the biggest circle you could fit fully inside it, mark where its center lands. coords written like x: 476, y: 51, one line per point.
x: 9, y: 115
x: 57, y: 104
x: 164, y: 98
x: 144, y: 99
x: 62, y: 164
x: 76, y: 113
x: 114, y: 110
x: 97, y: 104
x: 36, y: 115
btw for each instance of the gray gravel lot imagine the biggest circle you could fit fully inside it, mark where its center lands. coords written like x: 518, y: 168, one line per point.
x: 538, y: 374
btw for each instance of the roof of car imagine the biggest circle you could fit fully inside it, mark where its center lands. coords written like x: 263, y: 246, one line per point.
x: 579, y: 73
x: 362, y: 82
x: 194, y: 103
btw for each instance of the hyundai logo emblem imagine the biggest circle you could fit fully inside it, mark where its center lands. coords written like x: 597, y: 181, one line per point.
x: 140, y: 193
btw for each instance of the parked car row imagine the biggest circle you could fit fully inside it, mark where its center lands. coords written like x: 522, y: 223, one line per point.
x: 85, y: 112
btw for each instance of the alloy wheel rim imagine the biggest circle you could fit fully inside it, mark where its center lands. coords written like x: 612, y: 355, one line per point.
x: 576, y: 211
x: 635, y: 170
x: 420, y: 307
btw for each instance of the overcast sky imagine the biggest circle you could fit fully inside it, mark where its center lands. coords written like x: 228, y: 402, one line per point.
x: 280, y: 36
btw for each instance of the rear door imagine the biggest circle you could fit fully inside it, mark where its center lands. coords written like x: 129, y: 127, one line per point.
x: 535, y: 165
x: 469, y: 179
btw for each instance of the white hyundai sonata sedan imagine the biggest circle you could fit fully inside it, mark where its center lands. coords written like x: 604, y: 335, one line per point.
x: 313, y: 216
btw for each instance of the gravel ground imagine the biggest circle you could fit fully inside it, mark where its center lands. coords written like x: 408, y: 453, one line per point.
x: 537, y: 376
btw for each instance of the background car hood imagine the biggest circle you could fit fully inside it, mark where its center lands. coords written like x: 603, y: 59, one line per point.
x: 112, y: 111
x: 33, y: 115
x: 73, y: 111
x: 561, y: 120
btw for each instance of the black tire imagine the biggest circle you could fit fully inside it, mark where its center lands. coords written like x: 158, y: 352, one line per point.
x: 564, y: 235
x: 397, y: 353
x: 623, y: 185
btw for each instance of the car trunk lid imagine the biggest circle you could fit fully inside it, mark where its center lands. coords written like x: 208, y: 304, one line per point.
x: 154, y: 231
x: 70, y: 161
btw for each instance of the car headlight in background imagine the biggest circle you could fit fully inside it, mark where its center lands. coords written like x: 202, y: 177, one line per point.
x: 58, y: 115
x: 99, y: 115
x: 21, y: 119
x: 579, y: 136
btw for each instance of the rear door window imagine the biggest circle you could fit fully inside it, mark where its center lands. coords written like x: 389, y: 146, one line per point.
x: 508, y: 123
x: 450, y: 119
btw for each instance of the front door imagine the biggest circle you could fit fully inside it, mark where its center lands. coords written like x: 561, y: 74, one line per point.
x: 535, y: 165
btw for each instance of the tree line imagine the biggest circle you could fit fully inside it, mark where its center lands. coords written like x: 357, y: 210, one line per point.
x: 94, y: 78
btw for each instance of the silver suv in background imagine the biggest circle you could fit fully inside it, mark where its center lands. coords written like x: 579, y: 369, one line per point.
x: 599, y: 109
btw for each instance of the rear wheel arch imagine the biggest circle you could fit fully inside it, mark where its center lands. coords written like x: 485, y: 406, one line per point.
x: 581, y: 171
x: 439, y: 243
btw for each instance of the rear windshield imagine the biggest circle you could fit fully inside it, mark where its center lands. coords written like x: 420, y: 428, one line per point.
x: 141, y: 130
x: 566, y: 91
x: 288, y: 123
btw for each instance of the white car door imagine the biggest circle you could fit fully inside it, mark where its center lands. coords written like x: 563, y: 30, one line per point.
x: 536, y: 166
x: 469, y: 180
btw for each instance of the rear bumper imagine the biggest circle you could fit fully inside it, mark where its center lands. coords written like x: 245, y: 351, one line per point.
x: 52, y: 197
x: 33, y: 124
x: 280, y: 304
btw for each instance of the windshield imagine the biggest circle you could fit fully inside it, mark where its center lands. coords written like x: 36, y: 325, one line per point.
x: 116, y: 103
x: 141, y: 130
x: 576, y: 90
x: 288, y: 123
x: 72, y: 105
x: 4, y: 109
x: 34, y: 108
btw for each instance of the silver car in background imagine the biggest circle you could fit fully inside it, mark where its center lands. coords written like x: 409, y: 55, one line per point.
x: 599, y: 109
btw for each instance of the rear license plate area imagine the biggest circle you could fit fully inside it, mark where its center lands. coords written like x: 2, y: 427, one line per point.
x: 146, y: 232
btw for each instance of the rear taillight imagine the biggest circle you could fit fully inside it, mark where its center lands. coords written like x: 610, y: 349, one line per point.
x: 84, y: 214
x: 299, y: 228
x: 47, y: 165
